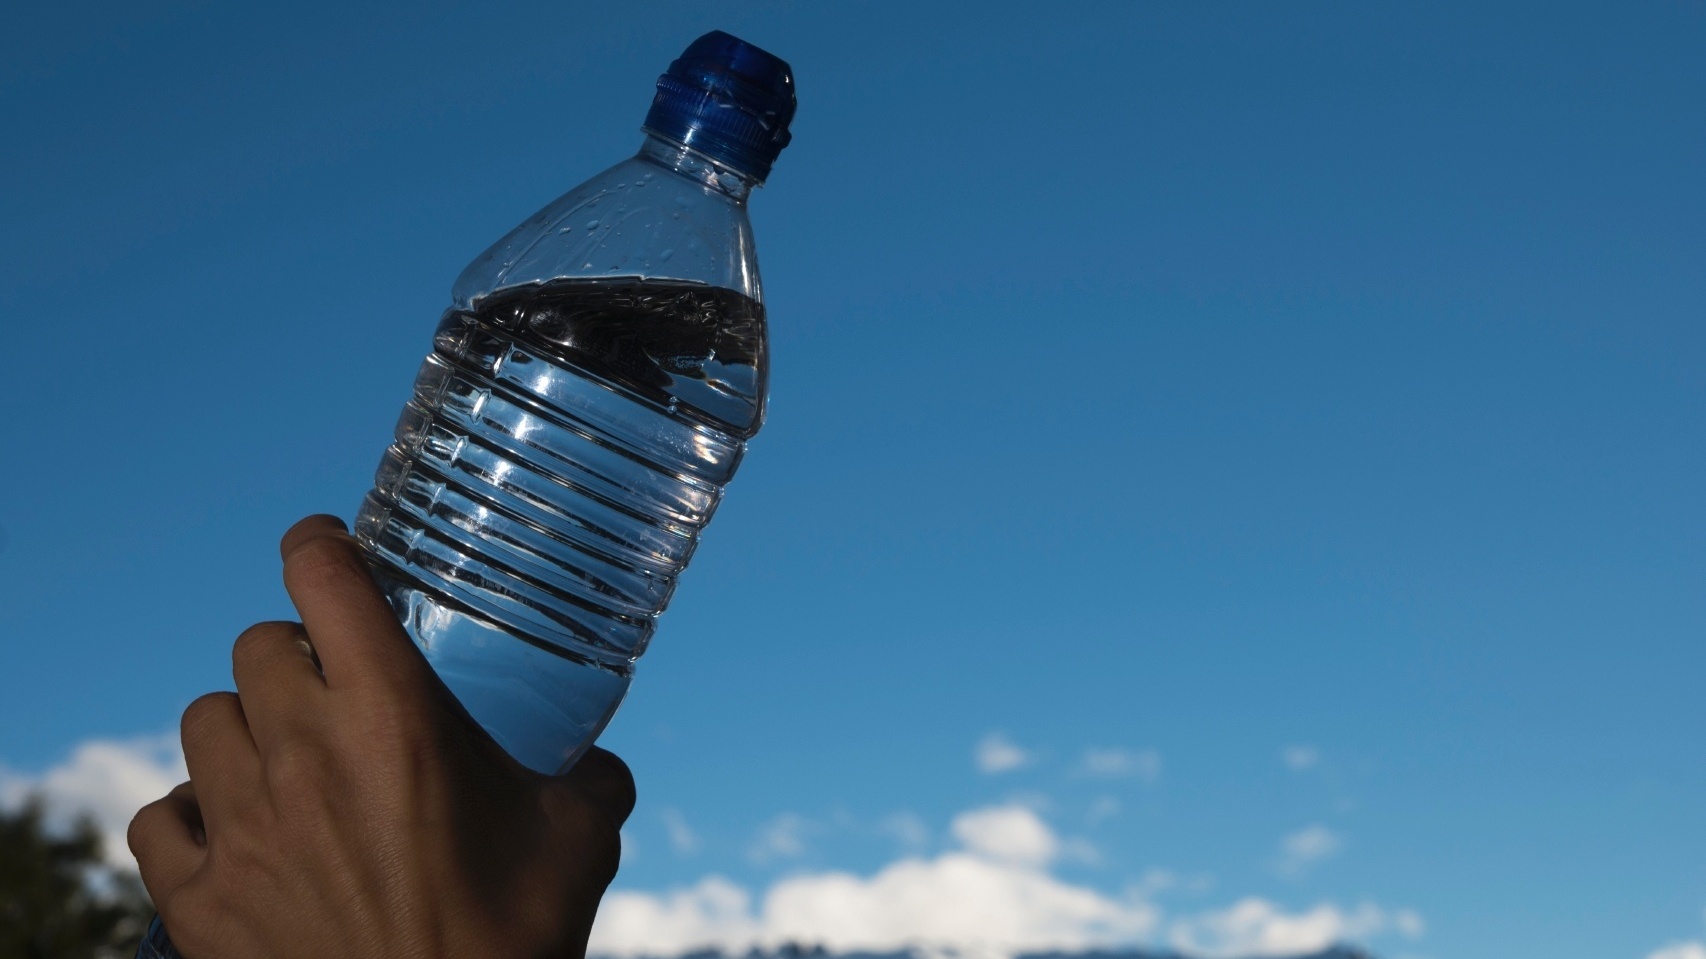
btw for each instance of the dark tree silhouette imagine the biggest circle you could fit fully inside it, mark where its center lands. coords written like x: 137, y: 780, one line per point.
x: 58, y: 899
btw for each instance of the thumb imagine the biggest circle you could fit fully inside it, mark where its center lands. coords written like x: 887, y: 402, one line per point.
x: 603, y: 780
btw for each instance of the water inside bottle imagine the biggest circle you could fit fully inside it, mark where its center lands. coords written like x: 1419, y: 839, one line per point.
x: 566, y: 443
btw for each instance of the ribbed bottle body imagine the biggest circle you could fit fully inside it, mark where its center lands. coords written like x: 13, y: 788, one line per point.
x: 565, y: 444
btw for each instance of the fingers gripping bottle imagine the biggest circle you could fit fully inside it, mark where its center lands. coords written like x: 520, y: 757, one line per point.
x: 589, y: 393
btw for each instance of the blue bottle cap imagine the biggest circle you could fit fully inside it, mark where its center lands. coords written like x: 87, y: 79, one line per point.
x: 727, y: 99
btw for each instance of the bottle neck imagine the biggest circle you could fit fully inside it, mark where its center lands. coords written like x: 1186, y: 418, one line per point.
x: 701, y: 169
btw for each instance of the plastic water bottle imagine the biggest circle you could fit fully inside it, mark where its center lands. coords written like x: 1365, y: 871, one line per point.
x: 589, y: 393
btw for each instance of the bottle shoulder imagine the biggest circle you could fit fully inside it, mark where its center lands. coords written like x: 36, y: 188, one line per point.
x: 636, y: 219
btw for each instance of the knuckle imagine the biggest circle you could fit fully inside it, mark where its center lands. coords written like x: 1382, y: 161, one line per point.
x: 237, y: 858
x: 601, y: 839
x: 206, y: 713
x: 141, y: 825
x: 299, y: 769
x: 610, y: 859
x: 321, y: 562
x: 604, y: 780
x: 256, y: 639
x: 616, y: 772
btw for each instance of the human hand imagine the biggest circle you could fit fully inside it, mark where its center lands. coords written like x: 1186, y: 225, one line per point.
x: 341, y: 803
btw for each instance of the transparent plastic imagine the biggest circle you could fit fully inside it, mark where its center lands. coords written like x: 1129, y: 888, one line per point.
x: 589, y: 394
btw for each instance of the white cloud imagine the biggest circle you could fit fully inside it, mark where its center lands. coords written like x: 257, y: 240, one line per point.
x: 783, y: 837
x: 1144, y: 764
x: 714, y: 913
x: 1256, y: 927
x: 107, y: 779
x: 991, y: 898
x: 1012, y: 834
x: 682, y: 838
x: 1693, y: 949
x: 995, y: 753
x: 958, y: 898
x: 1307, y: 846
x: 1299, y: 758
x: 994, y: 897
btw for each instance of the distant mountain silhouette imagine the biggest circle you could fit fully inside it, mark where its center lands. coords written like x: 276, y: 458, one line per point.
x: 1335, y: 952
x: 792, y: 951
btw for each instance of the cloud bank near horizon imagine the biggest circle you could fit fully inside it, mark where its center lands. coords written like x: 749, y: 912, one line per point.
x: 992, y: 896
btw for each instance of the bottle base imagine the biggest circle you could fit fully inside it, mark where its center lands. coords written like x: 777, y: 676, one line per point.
x: 543, y: 706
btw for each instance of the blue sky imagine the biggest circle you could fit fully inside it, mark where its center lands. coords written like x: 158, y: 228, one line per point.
x: 1269, y: 436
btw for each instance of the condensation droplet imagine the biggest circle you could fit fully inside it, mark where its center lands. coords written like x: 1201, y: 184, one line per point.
x: 592, y: 224
x: 667, y: 253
